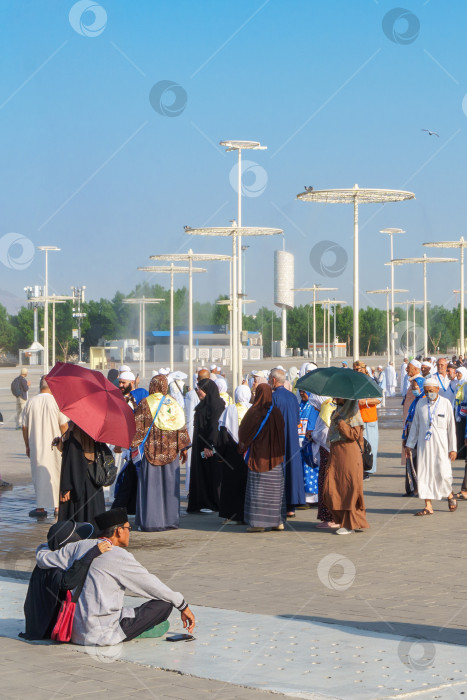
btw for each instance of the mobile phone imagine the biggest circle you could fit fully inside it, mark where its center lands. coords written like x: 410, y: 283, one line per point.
x: 180, y: 638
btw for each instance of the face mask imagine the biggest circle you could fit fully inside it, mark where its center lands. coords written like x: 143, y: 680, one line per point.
x: 416, y: 392
x: 432, y: 395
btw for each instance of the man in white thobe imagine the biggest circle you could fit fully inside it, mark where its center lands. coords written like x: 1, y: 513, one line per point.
x: 444, y: 381
x: 403, y: 373
x: 391, y: 381
x: 42, y: 422
x: 433, y: 431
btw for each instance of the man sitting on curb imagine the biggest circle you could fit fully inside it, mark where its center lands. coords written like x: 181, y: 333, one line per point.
x: 100, y: 618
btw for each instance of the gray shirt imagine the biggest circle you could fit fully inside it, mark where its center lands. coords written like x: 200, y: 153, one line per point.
x: 100, y: 606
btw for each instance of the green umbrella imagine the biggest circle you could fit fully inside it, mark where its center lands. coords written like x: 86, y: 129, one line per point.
x: 339, y: 383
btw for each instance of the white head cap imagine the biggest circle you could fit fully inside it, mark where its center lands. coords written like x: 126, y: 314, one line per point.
x: 425, y: 363
x: 415, y: 363
x: 431, y: 381
x: 213, y: 367
x: 124, y: 368
x: 126, y: 376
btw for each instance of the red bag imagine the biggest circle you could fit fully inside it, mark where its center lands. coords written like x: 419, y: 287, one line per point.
x: 64, y: 625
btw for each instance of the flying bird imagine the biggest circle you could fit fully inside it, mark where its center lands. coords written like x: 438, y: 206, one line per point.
x: 308, y: 188
x: 431, y: 133
x: 187, y: 228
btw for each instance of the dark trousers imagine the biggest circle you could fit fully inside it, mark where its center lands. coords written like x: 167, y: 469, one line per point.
x: 147, y: 615
x: 411, y: 485
x: 464, y: 483
x: 460, y: 433
x: 128, y: 487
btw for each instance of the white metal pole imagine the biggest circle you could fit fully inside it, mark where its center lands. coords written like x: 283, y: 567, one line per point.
x: 239, y: 271
x: 53, y: 332
x: 272, y: 333
x: 171, y: 348
x: 143, y: 344
x: 230, y: 307
x: 387, y: 323
x: 284, y: 327
x: 329, y: 335
x: 234, y: 328
x: 140, y: 339
x: 314, y: 324
x: 46, y: 316
x: 325, y: 354
x: 356, y: 325
x: 425, y: 312
x: 462, y: 332
x: 413, y: 330
x: 393, y: 346
x: 190, y: 318
x: 407, y: 327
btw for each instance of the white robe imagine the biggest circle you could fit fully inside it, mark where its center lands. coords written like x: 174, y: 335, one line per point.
x: 391, y: 381
x: 446, y: 389
x: 402, y: 376
x: 434, y: 470
x: 43, y: 418
x: 191, y: 401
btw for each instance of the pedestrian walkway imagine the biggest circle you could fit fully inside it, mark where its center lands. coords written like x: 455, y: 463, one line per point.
x: 296, y: 657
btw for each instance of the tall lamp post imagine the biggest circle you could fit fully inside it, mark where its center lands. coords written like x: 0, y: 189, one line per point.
x: 142, y: 301
x: 407, y: 303
x: 315, y: 288
x: 326, y: 304
x: 389, y: 340
x: 171, y: 270
x: 461, y: 244
x: 391, y: 232
x: 235, y: 233
x: 355, y: 196
x: 422, y: 261
x: 190, y: 258
x: 240, y: 146
x: 46, y: 249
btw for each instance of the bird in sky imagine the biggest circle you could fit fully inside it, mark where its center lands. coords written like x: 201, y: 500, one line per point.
x: 431, y: 133
x: 308, y: 188
x: 187, y: 228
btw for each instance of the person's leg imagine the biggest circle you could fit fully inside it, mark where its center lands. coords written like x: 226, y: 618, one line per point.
x: 146, y: 616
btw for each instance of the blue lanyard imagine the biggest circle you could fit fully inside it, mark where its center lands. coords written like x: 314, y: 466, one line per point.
x: 440, y: 380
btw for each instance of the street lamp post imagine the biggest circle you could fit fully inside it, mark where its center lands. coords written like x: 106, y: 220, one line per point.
x: 461, y: 244
x: 235, y: 232
x: 190, y: 257
x: 142, y: 301
x: 315, y: 288
x: 355, y: 196
x: 326, y: 304
x: 422, y: 261
x: 172, y: 270
x: 391, y: 232
x: 389, y: 291
x: 240, y: 146
x: 46, y: 249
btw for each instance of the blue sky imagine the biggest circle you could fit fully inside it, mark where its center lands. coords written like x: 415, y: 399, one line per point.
x: 90, y: 166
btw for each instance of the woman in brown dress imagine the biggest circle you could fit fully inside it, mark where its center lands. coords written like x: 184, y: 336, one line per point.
x: 343, y: 488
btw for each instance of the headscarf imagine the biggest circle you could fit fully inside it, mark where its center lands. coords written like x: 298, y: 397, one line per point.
x: 463, y: 372
x: 209, y: 410
x: 348, y: 412
x: 222, y: 386
x: 86, y: 441
x: 112, y: 376
x: 176, y: 391
x: 267, y: 450
x: 234, y: 414
x: 171, y: 415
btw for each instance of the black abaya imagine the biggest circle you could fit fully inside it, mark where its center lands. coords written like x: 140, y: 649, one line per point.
x: 234, y: 478
x: 86, y: 499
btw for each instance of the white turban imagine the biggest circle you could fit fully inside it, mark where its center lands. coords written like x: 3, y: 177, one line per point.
x: 126, y: 377
x: 431, y: 381
x: 415, y: 363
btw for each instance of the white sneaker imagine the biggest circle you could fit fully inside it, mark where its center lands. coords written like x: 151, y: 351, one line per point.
x: 343, y: 531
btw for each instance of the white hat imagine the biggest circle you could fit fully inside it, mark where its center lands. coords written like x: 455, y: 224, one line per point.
x: 126, y: 377
x: 415, y: 363
x: 164, y: 370
x: 379, y: 367
x: 425, y: 363
x: 218, y: 368
x: 124, y: 368
x: 431, y: 381
x: 310, y: 366
x: 258, y: 373
x: 213, y: 367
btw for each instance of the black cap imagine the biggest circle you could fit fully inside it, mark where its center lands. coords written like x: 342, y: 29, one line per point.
x: 66, y: 531
x: 111, y: 518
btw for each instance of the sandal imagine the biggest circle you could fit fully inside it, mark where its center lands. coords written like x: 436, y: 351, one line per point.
x: 452, y: 504
x: 460, y: 496
x: 425, y: 511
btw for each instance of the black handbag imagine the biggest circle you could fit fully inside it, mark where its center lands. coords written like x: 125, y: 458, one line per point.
x: 367, y: 455
x: 102, y: 471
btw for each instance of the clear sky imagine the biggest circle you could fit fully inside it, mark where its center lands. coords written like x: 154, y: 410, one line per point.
x: 338, y: 91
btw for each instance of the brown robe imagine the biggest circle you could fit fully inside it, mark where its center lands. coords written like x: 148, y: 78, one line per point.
x: 343, y: 486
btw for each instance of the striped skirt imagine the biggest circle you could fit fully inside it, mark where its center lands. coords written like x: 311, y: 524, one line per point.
x: 265, y: 498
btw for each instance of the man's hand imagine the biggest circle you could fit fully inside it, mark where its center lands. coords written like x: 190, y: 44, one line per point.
x: 188, y: 620
x: 65, y: 497
x: 28, y: 452
x: 208, y: 453
x: 308, y: 434
x: 408, y: 452
x: 104, y: 546
x: 452, y: 456
x: 183, y: 456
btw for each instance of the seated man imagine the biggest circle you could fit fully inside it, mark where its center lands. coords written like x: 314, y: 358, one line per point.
x: 100, y: 618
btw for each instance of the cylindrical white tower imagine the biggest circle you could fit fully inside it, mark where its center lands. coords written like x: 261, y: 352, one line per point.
x: 283, y: 289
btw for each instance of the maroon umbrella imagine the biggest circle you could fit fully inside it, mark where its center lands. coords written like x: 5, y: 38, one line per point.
x: 93, y: 403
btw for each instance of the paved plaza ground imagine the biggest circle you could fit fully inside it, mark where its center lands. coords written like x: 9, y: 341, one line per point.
x: 304, y: 612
